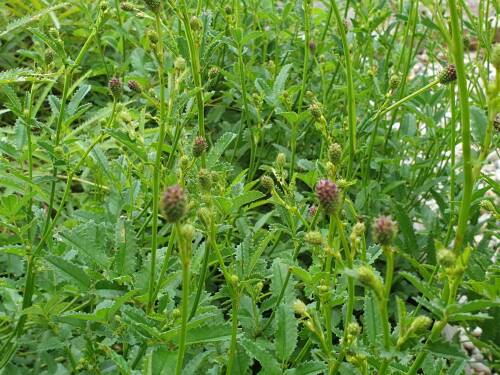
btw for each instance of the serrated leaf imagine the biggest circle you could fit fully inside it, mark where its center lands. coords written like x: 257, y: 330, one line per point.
x: 278, y: 281
x: 371, y: 319
x: 126, y: 248
x: 406, y: 227
x: 447, y: 350
x: 78, y: 96
x: 20, y: 22
x: 286, y: 332
x: 90, y: 240
x: 220, y: 146
x: 256, y: 350
x: 71, y: 271
x: 308, y: 368
x: 279, y: 83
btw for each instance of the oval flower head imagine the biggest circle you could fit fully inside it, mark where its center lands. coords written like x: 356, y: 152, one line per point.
x: 174, y: 204
x: 328, y: 195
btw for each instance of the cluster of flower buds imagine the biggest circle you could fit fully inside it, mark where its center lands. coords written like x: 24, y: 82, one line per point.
x: 205, y: 179
x: 394, y: 82
x: 335, y: 153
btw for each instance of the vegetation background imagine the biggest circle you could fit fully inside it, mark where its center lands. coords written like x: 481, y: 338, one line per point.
x: 249, y: 187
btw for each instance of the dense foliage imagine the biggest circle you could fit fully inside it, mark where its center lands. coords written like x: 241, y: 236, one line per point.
x: 243, y: 187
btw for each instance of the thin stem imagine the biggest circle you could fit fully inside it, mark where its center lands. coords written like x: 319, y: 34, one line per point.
x: 157, y: 168
x: 351, y: 103
x: 185, y: 259
x: 463, y: 94
x: 234, y: 330
x: 307, y: 32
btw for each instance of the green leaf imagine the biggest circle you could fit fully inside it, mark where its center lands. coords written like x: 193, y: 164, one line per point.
x: 406, y: 228
x: 71, y: 271
x: 216, y: 152
x: 286, y: 332
x: 308, y: 368
x: 257, y: 350
x: 479, y: 122
x: 278, y: 281
x: 90, y: 240
x: 246, y: 198
x: 447, y: 350
x: 279, y: 83
x: 126, y: 248
x: 371, y: 319
x: 125, y: 140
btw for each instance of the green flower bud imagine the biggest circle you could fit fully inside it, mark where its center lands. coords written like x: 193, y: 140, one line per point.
x: 205, y: 179
x: 205, y: 216
x: 316, y: 110
x: 495, y: 56
x: 267, y: 182
x: 213, y: 72
x: 153, y: 5
x: 228, y: 10
x: 196, y: 24
x: 446, y: 258
x: 134, y: 86
x: 367, y: 277
x: 420, y: 324
x: 335, y: 153
x: 234, y: 279
x: 280, y: 160
x: 187, y: 232
x: 299, y: 307
x: 447, y: 75
x: 354, y: 329
x: 180, y: 64
x: 126, y: 6
x: 394, y: 81
x: 314, y: 238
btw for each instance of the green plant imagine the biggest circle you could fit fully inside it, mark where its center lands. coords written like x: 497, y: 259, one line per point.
x: 254, y: 187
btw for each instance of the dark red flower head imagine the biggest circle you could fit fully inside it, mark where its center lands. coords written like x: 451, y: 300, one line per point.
x: 328, y: 195
x: 384, y: 230
x: 174, y: 204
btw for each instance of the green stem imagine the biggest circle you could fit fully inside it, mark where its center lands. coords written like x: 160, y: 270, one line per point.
x: 201, y: 281
x: 234, y: 331
x: 384, y: 304
x: 185, y: 259
x: 458, y: 54
x: 452, y: 165
x: 195, y: 71
x: 157, y: 168
x: 351, y: 103
x: 307, y: 32
x: 406, y: 98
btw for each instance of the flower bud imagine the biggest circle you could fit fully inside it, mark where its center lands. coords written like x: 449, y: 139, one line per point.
x: 312, y: 45
x: 179, y: 64
x: 49, y: 55
x: 115, y: 86
x: 354, y: 329
x: 299, y: 307
x: 205, y: 179
x: 384, y: 230
x: 335, y: 153
x: 329, y: 196
x: 487, y: 205
x: 316, y: 110
x: 280, y: 160
x: 446, y: 258
x: 358, y: 230
x: 495, y: 56
x: 126, y: 6
x: 234, y: 279
x: 200, y: 146
x: 187, y: 232
x: 267, y: 182
x: 312, y: 210
x: 195, y: 23
x: 205, y: 216
x: 394, y: 81
x: 420, y: 324
x: 152, y: 36
x: 213, y: 72
x: 367, y: 277
x: 228, y: 10
x: 153, y: 5
x: 314, y: 238
x: 176, y: 313
x: 447, y: 75
x: 174, y: 204
x: 134, y: 86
